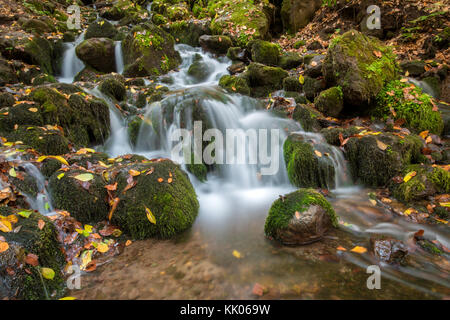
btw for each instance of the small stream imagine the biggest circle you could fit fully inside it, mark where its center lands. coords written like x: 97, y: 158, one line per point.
x: 234, y: 203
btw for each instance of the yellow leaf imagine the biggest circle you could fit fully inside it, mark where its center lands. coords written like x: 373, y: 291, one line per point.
x: 381, y: 145
x: 68, y: 298
x: 444, y: 204
x: 33, y: 110
x: 59, y: 158
x: 318, y: 153
x: 301, y: 79
x: 84, y: 177
x: 409, y: 211
x: 359, y: 249
x: 150, y: 216
x: 372, y: 201
x: 4, y: 246
x: 48, y: 273
x: 424, y: 134
x: 134, y: 173
x: 12, y: 173
x: 237, y: 254
x: 59, y: 176
x: 25, y: 213
x: 85, y: 150
x: 88, y: 228
x: 5, y: 226
x: 409, y: 176
x: 102, y: 247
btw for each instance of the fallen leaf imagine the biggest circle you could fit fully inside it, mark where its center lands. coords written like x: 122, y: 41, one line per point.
x: 134, y: 173
x: 381, y: 145
x: 341, y: 248
x: 102, y: 247
x: 318, y: 153
x: 150, y: 216
x: 32, y: 259
x: 84, y: 177
x: 409, y: 176
x: 3, y: 246
x: 129, y: 242
x: 41, y: 224
x: 258, y: 290
x: 359, y: 249
x: 237, y: 254
x: 48, y: 273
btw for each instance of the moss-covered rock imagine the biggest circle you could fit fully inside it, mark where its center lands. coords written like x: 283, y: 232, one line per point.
x: 304, y: 167
x: 295, y: 14
x: 113, y: 85
x: 85, y: 119
x: 374, y: 166
x: 237, y: 54
x: 27, y: 281
x: 264, y: 79
x: 86, y: 201
x: 235, y: 84
x: 300, y: 217
x: 232, y: 18
x: 307, y: 117
x: 215, y: 44
x: 199, y: 70
x: 427, y: 182
x: 166, y: 192
x: 101, y: 29
x: 312, y: 87
x: 98, y: 53
x: 330, y: 102
x: 401, y: 100
x: 331, y: 134
x: 45, y: 141
x: 290, y: 60
x: 133, y: 129
x: 7, y: 74
x: 188, y: 31
x: 148, y: 50
x: 361, y: 66
x: 292, y: 84
x: 264, y: 52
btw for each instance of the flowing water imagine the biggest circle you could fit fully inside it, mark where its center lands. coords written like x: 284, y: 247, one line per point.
x: 234, y: 203
x: 71, y: 65
x: 119, y: 57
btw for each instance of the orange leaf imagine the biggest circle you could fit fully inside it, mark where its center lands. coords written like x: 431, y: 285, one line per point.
x: 359, y: 249
x: 4, y: 246
x: 341, y: 248
x: 32, y: 259
x: 41, y: 224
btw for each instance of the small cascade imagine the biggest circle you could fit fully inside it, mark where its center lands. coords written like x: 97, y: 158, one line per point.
x: 119, y: 57
x: 71, y: 65
x: 424, y: 86
x: 118, y: 143
x: 149, y: 9
x: 42, y: 202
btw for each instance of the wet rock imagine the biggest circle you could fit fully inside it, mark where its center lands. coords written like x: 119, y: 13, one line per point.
x: 113, y: 85
x: 36, y: 25
x: 391, y: 251
x: 414, y: 68
x: 296, y: 14
x: 290, y: 60
x: 237, y: 67
x: 360, y: 65
x: 238, y: 54
x: 166, y: 192
x: 148, y: 50
x: 98, y: 53
x: 314, y: 65
x: 7, y: 74
x: 235, y: 84
x: 23, y: 281
x: 304, y: 166
x: 292, y: 83
x: 315, y: 45
x: 6, y: 100
x: 199, y: 70
x: 100, y: 29
x: 375, y: 167
x: 86, y: 201
x: 301, y: 217
x: 264, y: 79
x: 188, y: 31
x: 215, y: 44
x: 264, y: 52
x: 307, y: 117
x: 427, y: 182
x: 312, y: 87
x: 113, y: 13
x: 330, y: 102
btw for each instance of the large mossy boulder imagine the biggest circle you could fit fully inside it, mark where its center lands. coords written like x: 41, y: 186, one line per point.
x: 84, y: 119
x: 290, y: 60
x: 7, y: 74
x: 400, y: 100
x: 361, y: 66
x: 264, y: 52
x: 81, y: 193
x: 264, y: 79
x: 301, y: 217
x: 215, y: 44
x: 427, y: 181
x: 148, y: 50
x: 235, y: 84
x: 22, y: 280
x: 304, y: 166
x: 307, y: 117
x: 113, y: 85
x: 375, y: 159
x: 330, y: 102
x: 98, y: 53
x: 296, y: 14
x: 188, y: 32
x: 162, y: 203
x: 240, y: 19
x: 101, y: 29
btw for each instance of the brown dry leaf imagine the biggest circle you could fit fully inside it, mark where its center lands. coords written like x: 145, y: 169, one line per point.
x: 32, y: 259
x: 258, y: 290
x: 41, y: 224
x: 111, y: 187
x: 115, y: 202
x: 381, y: 145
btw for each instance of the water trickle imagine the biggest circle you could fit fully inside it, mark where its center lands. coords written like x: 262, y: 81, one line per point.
x: 119, y: 57
x: 71, y: 65
x: 424, y: 86
x: 42, y: 201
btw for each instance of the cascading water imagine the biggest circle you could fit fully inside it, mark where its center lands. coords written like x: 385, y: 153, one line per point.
x: 71, y: 65
x: 42, y: 201
x: 119, y: 57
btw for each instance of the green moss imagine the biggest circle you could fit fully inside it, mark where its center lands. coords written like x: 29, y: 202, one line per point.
x: 411, y: 104
x: 264, y: 52
x: 330, y: 101
x: 307, y: 117
x: 304, y: 168
x: 235, y: 84
x: 426, y: 182
x: 133, y: 129
x: 174, y: 205
x: 299, y: 43
x: 86, y: 205
x: 283, y: 210
x: 44, y: 244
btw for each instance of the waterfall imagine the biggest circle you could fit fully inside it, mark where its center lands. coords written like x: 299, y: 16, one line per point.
x: 71, y: 65
x: 42, y: 202
x: 119, y: 56
x: 118, y: 143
